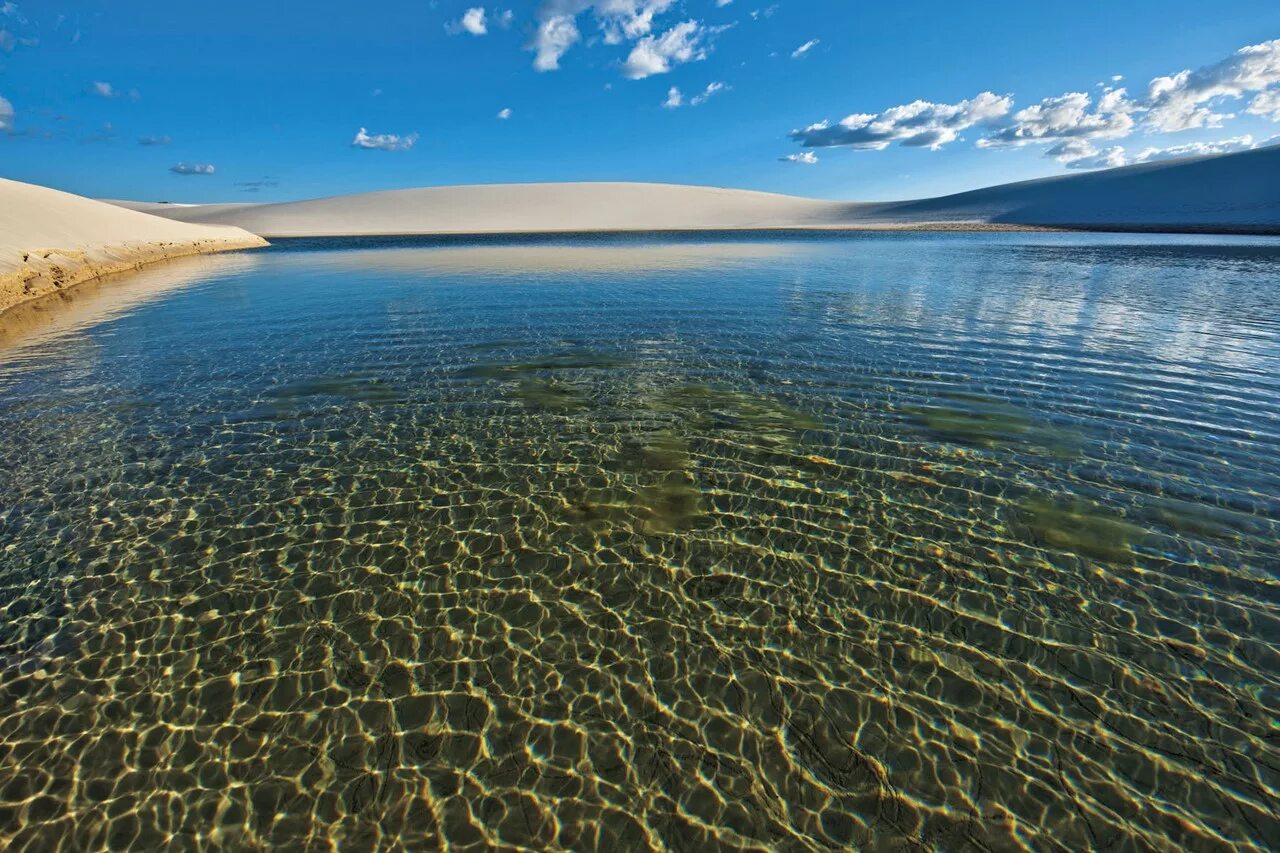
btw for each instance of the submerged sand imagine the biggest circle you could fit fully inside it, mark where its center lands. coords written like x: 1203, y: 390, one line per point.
x: 51, y: 241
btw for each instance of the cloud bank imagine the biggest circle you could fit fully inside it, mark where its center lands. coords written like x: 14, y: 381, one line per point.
x: 919, y: 124
x: 1069, y: 124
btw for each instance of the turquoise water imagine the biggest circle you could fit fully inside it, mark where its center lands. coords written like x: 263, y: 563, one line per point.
x: 898, y: 541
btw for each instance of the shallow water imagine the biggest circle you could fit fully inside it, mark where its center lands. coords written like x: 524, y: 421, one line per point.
x: 882, y: 541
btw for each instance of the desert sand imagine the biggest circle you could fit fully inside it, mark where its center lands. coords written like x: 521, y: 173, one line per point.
x: 51, y: 240
x: 1233, y: 193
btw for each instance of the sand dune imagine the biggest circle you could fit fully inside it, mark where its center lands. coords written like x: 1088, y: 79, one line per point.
x: 51, y: 240
x: 1230, y: 192
x: 1233, y: 192
x: 515, y: 208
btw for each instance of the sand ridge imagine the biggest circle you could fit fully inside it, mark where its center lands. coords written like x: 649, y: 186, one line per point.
x: 51, y: 240
x: 1233, y: 193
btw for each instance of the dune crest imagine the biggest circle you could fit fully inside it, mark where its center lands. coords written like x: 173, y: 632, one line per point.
x: 1231, y: 193
x: 51, y: 240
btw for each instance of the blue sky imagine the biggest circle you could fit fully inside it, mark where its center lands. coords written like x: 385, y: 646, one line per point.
x: 934, y: 97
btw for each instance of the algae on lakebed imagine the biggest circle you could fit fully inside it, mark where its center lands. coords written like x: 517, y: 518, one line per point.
x: 1080, y: 526
x: 988, y: 422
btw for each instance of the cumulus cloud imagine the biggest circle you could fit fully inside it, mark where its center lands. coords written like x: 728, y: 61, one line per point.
x: 193, y: 169
x: 1266, y: 105
x: 804, y: 158
x: 154, y: 140
x: 1182, y: 101
x: 657, y: 54
x: 1197, y: 149
x: 1189, y: 99
x: 504, y: 113
x: 674, y: 99
x: 1068, y: 116
x: 472, y: 21
x: 619, y: 21
x: 920, y: 124
x: 1081, y: 154
x: 6, y: 114
x: 383, y: 141
x: 804, y: 48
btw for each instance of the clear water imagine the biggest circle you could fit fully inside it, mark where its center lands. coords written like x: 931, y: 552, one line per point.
x: 883, y: 541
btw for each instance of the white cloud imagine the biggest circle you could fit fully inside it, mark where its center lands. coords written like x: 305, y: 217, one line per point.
x: 712, y: 89
x: 1182, y: 101
x: 805, y: 158
x: 1080, y: 153
x: 656, y: 55
x: 193, y: 169
x: 106, y: 90
x: 676, y: 99
x: 1267, y: 105
x: 154, y: 140
x: 723, y: 3
x: 1189, y: 99
x: 505, y: 19
x: 1067, y: 117
x: 383, y: 141
x: 473, y: 21
x: 805, y: 48
x: 920, y: 124
x: 555, y: 36
x: 6, y: 114
x: 1197, y: 149
x: 504, y: 113
x: 558, y: 26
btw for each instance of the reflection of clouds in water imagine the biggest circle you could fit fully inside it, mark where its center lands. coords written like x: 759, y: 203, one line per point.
x: 533, y: 260
x: 30, y: 329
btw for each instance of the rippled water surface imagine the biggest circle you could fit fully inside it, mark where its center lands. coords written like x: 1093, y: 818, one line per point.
x: 877, y: 541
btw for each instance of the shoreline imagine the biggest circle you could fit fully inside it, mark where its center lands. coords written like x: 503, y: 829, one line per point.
x: 47, y: 272
x: 772, y: 230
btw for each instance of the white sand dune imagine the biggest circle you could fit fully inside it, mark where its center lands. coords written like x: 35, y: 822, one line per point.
x: 1230, y: 193
x: 51, y: 240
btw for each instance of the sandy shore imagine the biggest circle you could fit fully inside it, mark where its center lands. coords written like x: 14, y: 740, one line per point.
x: 51, y: 241
x: 1233, y: 193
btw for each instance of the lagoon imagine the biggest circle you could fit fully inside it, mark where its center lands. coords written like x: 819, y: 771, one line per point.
x: 725, y: 541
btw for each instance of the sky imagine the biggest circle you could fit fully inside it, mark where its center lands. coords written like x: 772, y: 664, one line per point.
x: 277, y: 99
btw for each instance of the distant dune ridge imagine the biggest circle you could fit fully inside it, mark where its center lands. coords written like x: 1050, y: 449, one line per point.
x: 1226, y: 193
x: 51, y: 240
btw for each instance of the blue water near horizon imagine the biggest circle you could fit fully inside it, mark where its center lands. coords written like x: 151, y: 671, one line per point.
x: 693, y: 542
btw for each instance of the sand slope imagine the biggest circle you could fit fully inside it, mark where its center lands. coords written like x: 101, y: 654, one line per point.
x: 1229, y: 192
x: 51, y: 240
x: 510, y: 208
x: 1233, y: 192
